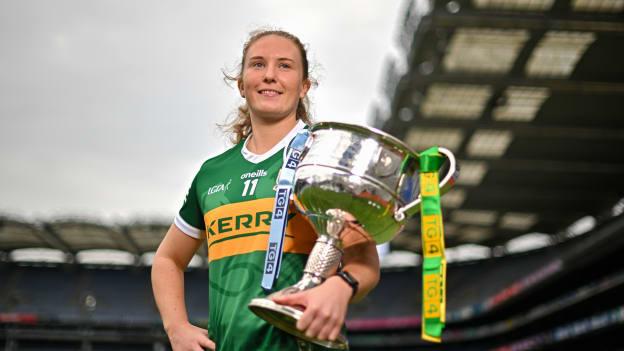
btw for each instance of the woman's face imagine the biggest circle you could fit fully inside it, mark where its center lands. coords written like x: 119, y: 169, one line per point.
x: 272, y: 79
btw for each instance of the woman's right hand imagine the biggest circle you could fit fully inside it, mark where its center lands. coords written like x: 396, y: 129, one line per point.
x: 187, y: 337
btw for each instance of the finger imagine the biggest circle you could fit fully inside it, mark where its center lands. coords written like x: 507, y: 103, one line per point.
x: 328, y: 327
x: 316, y: 325
x: 314, y: 330
x: 333, y: 335
x: 297, y: 299
x: 205, y: 342
x: 306, y: 318
x: 285, y: 297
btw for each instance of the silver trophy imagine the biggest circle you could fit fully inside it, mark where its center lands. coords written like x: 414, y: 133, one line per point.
x: 346, y: 172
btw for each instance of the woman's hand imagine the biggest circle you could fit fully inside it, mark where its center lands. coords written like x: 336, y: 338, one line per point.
x: 325, y: 308
x: 187, y: 337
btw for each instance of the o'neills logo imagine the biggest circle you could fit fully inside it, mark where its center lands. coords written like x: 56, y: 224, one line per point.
x: 254, y: 174
x: 218, y: 188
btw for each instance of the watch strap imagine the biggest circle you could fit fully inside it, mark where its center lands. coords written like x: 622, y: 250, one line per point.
x: 349, y: 279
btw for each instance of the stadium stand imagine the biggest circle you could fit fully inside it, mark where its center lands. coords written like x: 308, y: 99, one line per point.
x: 524, y: 296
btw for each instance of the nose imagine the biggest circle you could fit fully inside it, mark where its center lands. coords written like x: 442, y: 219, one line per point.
x: 269, y: 73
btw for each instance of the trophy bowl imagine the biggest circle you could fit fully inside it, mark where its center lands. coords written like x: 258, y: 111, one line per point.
x: 349, y: 171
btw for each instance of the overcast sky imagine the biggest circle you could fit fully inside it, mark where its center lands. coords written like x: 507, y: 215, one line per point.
x: 108, y: 108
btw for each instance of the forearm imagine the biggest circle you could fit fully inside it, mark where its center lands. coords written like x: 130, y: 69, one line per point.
x: 168, y: 287
x: 362, y: 262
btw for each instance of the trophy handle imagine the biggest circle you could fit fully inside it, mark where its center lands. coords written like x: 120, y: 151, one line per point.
x: 445, y: 185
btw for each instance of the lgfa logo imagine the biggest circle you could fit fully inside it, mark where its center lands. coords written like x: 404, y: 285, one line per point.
x: 218, y: 188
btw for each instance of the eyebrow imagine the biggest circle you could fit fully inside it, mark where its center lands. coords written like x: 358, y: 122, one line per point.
x: 279, y: 58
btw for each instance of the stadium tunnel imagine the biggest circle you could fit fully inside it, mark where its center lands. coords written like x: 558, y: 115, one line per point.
x: 528, y: 94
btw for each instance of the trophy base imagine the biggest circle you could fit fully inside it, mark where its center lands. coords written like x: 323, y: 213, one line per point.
x: 286, y: 317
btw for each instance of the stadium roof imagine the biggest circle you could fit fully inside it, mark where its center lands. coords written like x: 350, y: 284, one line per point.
x: 72, y: 236
x: 529, y: 95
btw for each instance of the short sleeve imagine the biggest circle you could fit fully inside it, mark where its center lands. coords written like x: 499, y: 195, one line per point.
x: 190, y: 218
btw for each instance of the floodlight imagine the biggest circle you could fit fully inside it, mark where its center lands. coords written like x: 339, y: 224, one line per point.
x: 481, y: 50
x: 557, y: 53
x: 613, y: 6
x: 476, y: 217
x: 521, y: 104
x: 514, y: 5
x: 475, y: 234
x: 472, y: 172
x: 518, y: 220
x: 457, y: 101
x: 528, y: 242
x: 454, y: 198
x: 467, y: 252
x: 489, y: 143
x: 422, y: 138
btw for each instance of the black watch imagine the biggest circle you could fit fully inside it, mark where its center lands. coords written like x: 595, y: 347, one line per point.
x: 348, y: 278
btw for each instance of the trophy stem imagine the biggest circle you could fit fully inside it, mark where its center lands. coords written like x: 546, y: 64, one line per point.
x: 322, y: 263
x: 325, y: 256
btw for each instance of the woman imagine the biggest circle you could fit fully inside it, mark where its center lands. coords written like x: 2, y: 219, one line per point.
x: 230, y: 202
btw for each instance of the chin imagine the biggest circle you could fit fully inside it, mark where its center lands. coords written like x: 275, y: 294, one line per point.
x: 272, y: 115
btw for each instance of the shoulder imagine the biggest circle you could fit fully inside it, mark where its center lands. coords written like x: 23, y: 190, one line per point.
x: 225, y: 157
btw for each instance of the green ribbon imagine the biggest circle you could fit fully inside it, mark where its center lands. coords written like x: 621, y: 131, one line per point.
x: 434, y: 260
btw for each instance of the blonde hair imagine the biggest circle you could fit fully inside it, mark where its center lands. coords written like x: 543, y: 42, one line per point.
x: 240, y: 126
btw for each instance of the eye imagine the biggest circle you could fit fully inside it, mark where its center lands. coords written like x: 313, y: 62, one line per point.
x: 284, y: 65
x: 256, y: 64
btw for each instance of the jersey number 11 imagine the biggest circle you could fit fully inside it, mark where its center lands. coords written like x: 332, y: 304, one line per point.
x: 253, y: 183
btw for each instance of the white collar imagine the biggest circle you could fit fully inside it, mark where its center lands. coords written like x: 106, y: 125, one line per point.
x: 255, y: 158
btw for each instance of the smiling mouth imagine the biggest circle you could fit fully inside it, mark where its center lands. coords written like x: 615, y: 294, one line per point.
x: 269, y: 92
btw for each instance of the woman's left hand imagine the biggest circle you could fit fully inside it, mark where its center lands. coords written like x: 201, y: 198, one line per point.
x: 325, y: 308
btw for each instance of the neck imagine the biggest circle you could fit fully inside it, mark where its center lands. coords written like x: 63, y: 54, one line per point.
x: 267, y: 133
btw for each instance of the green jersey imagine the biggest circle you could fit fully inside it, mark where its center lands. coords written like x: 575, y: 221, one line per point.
x: 230, y: 201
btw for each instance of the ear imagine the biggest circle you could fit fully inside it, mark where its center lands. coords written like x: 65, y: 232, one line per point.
x: 306, y: 86
x: 241, y: 90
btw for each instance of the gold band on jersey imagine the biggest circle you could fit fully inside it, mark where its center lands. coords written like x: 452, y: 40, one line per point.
x: 243, y: 227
